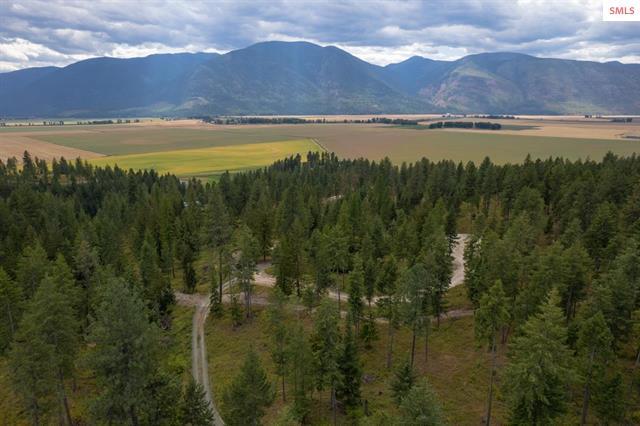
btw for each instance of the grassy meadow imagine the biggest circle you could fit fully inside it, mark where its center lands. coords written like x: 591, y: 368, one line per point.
x: 211, y: 161
x: 457, y: 368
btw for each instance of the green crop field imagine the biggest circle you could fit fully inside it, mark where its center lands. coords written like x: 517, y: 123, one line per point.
x: 144, y: 140
x: 211, y: 161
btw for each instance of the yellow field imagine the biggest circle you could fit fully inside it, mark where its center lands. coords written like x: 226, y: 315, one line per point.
x: 211, y: 161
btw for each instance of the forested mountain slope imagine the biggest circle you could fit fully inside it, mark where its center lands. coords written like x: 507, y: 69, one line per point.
x: 304, y: 78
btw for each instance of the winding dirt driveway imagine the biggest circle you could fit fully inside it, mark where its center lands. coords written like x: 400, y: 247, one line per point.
x: 264, y: 279
x: 199, y: 364
x: 200, y: 302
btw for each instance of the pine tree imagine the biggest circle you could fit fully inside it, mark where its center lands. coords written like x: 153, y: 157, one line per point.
x: 348, y: 388
x: 595, y: 349
x: 124, y: 354
x: 403, y: 380
x: 219, y: 226
x: 369, y: 332
x: 338, y: 247
x: 50, y: 320
x: 34, y: 380
x: 325, y: 342
x: 244, y: 400
x: 387, y: 276
x: 235, y: 311
x: 415, y: 301
x: 539, y: 371
x: 194, y: 408
x: 296, y: 239
x: 108, y: 227
x: 279, y: 335
x: 491, y: 316
x: 58, y: 322
x: 610, y: 401
x: 161, y: 406
x: 579, y: 267
x: 261, y: 220
x: 309, y: 296
x: 438, y: 261
x: 300, y: 372
x: 11, y: 306
x: 191, y: 221
x: 389, y: 303
x: 31, y: 269
x: 62, y: 276
x: 600, y: 233
x: 356, y: 282
x: 623, y: 284
x: 548, y: 269
x: 156, y: 287
x: 216, y: 309
x: 321, y: 261
x: 189, y: 278
x: 86, y: 266
x: 420, y: 407
x: 635, y: 336
x: 370, y: 272
x: 245, y: 265
x: 282, y: 265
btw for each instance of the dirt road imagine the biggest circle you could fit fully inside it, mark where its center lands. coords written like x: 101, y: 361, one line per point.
x: 199, y: 364
x: 458, y: 259
x: 262, y: 278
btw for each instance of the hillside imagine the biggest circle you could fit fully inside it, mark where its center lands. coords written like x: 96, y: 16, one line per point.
x: 103, y: 86
x: 293, y: 78
x: 303, y: 78
x: 516, y: 83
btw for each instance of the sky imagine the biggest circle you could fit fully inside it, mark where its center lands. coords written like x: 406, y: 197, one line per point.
x: 59, y: 32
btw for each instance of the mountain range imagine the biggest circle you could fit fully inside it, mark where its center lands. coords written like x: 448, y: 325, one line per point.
x: 304, y: 78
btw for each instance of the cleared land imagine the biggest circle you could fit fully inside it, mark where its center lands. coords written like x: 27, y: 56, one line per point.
x: 211, y: 161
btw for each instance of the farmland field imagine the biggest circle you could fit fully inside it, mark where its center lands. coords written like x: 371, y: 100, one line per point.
x: 143, y: 140
x: 134, y: 145
x: 471, y: 146
x: 211, y: 161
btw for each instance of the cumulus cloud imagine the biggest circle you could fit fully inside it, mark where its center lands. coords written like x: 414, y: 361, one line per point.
x: 58, y: 32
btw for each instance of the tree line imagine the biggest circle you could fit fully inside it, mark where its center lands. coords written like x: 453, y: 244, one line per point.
x: 485, y: 125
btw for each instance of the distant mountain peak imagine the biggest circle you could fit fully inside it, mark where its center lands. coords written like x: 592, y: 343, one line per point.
x: 299, y: 77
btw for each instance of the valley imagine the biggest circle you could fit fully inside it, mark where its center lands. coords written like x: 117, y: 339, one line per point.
x: 191, y: 148
x: 319, y: 213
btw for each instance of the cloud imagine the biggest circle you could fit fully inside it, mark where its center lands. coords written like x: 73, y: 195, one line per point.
x: 58, y: 32
x: 18, y: 51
